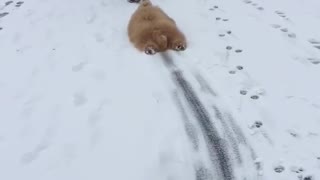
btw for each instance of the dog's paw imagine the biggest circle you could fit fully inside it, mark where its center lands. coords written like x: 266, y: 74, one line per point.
x: 149, y: 51
x: 180, y: 47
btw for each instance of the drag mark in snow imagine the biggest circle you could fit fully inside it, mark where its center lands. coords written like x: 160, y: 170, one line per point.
x: 190, y: 129
x: 227, y: 130
x: 204, y: 85
x: 215, y: 144
x: 217, y: 150
x: 236, y: 129
x: 202, y: 173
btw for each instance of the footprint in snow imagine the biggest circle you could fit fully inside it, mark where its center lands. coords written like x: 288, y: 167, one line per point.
x: 318, y: 47
x: 293, y: 133
x: 248, y: 2
x: 260, y: 8
x: 258, y: 124
x: 243, y: 92
x: 223, y: 34
x: 308, y: 178
x: 239, y: 68
x: 296, y: 169
x: 213, y: 8
x: 299, y: 171
x: 280, y: 13
x: 276, y: 26
x: 279, y: 169
x: 254, y: 97
x: 79, y: 67
x: 8, y: 3
x: 224, y: 19
x: 18, y: 4
x: 315, y: 43
x: 238, y: 50
x: 285, y: 30
x: 234, y: 71
x: 292, y: 35
x: 257, y: 93
x: 79, y: 99
x: 3, y: 14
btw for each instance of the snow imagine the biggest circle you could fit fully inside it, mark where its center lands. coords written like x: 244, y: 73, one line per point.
x: 77, y: 101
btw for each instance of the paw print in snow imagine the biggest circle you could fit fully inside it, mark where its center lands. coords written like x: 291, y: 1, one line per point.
x: 3, y: 14
x: 8, y: 3
x: 18, y: 4
x: 279, y: 169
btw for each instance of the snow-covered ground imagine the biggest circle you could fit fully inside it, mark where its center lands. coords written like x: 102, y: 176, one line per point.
x: 77, y: 101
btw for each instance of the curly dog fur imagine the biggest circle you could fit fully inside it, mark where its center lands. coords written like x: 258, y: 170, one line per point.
x: 151, y: 30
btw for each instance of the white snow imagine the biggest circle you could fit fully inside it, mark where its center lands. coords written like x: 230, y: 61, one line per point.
x: 77, y: 101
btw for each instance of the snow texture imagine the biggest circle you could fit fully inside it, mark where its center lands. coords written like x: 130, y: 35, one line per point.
x: 78, y: 101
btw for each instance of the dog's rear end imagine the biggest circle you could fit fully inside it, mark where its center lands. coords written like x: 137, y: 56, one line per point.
x: 151, y: 30
x: 141, y: 30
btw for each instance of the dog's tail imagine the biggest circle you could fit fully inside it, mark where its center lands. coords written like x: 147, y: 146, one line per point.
x: 145, y: 3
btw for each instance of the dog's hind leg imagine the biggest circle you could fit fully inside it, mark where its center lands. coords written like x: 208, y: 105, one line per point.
x: 150, y: 51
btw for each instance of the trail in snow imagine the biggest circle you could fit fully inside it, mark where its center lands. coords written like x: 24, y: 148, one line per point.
x: 218, y: 147
x: 77, y: 101
x: 215, y: 145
